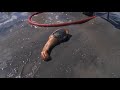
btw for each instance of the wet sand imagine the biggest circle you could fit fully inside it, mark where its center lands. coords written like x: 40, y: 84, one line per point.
x: 93, y: 51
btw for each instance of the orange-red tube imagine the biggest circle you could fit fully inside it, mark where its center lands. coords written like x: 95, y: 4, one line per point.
x: 57, y: 25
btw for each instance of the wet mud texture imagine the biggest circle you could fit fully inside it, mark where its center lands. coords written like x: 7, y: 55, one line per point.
x: 93, y: 51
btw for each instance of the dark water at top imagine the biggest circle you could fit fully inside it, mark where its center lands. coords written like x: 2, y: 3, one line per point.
x: 12, y: 19
x: 9, y: 19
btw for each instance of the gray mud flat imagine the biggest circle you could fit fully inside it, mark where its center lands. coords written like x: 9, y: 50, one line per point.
x: 93, y: 51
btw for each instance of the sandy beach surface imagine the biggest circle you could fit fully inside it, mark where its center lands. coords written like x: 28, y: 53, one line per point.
x: 93, y: 51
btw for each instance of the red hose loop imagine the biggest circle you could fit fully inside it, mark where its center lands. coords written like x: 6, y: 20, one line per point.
x: 57, y: 25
